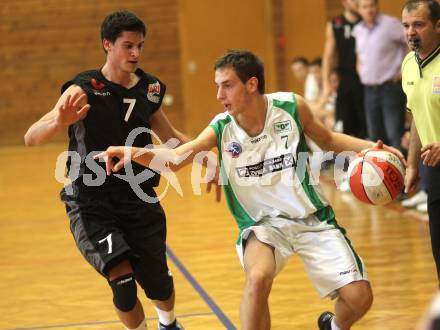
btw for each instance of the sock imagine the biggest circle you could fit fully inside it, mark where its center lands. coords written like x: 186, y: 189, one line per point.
x: 334, y: 326
x: 142, y: 326
x: 166, y: 318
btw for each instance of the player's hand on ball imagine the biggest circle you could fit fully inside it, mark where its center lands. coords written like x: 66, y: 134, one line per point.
x: 376, y: 176
x: 380, y: 145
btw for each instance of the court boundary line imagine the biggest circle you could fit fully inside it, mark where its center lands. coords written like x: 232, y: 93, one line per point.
x: 208, y: 300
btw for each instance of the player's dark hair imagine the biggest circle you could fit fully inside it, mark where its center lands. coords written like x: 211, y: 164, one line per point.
x: 300, y: 59
x: 119, y: 21
x: 432, y: 5
x: 245, y: 64
x: 316, y: 61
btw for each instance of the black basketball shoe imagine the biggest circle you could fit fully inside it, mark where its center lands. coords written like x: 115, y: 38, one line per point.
x: 325, y: 321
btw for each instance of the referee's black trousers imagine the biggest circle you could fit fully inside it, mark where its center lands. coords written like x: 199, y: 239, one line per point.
x: 434, y: 213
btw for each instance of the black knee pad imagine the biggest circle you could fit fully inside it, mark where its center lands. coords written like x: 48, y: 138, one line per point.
x: 159, y: 288
x: 159, y: 292
x: 124, y: 292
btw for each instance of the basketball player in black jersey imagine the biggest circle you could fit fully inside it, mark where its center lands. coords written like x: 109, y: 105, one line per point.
x: 120, y: 234
x: 339, y: 54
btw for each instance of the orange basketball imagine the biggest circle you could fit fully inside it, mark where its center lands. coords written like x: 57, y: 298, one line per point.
x: 376, y: 176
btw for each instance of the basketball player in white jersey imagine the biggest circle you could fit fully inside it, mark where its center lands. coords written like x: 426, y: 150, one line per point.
x: 261, y: 143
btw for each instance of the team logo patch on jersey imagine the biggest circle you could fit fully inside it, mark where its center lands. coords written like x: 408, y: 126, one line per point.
x: 283, y: 126
x: 96, y: 84
x: 436, y: 85
x: 338, y: 22
x: 98, y: 88
x: 267, y: 166
x: 153, y: 92
x: 234, y: 148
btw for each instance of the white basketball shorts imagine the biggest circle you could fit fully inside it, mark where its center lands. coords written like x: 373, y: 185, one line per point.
x: 328, y: 257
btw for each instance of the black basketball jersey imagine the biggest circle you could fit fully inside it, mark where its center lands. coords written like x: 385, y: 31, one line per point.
x: 116, y: 114
x: 345, y: 45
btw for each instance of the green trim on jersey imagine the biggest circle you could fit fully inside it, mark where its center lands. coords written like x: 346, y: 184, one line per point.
x: 323, y: 213
x: 219, y: 127
x: 326, y: 214
x: 343, y: 231
x: 356, y: 256
x: 241, y: 216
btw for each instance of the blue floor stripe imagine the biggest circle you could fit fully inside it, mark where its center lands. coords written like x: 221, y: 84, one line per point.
x: 214, y: 307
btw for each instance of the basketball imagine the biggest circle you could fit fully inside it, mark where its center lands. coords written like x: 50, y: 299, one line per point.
x: 376, y: 176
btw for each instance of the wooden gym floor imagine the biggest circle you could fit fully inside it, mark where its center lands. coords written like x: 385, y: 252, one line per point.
x: 46, y: 284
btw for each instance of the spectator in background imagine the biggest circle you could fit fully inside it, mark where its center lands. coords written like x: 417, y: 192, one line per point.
x: 313, y: 95
x: 300, y: 68
x: 380, y: 48
x: 339, y: 55
x: 308, y: 74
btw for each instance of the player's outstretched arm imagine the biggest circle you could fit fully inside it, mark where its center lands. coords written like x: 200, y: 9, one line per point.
x: 325, y: 138
x: 71, y: 107
x: 159, y: 159
x: 166, y: 131
x: 334, y: 141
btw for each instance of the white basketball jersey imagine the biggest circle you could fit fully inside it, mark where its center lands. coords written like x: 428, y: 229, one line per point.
x: 268, y: 175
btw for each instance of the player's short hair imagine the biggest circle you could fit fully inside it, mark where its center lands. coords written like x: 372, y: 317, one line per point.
x: 300, y: 59
x: 432, y: 5
x: 245, y: 64
x: 316, y: 61
x: 119, y: 21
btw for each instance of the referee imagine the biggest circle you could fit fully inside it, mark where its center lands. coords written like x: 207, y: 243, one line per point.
x: 421, y: 84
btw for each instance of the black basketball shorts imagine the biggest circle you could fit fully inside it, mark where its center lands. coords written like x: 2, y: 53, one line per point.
x: 116, y: 225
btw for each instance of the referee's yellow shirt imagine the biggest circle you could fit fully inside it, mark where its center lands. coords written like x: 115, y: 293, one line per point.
x: 421, y: 84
